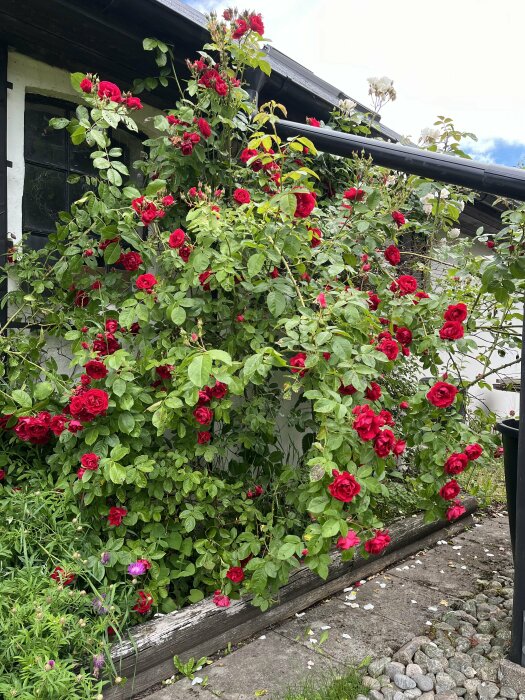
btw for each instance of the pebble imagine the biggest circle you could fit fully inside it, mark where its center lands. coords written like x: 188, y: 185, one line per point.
x: 404, y: 682
x: 412, y: 693
x: 507, y: 692
x: 394, y: 667
x: 487, y: 691
x: 424, y: 683
x: 413, y: 670
x: 444, y: 682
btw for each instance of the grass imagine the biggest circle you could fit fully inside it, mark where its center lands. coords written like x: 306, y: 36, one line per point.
x: 331, y: 687
x: 486, y: 483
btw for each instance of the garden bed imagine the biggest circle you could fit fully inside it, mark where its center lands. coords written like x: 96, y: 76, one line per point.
x: 203, y: 629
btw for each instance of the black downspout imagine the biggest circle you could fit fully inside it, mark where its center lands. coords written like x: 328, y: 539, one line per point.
x: 482, y: 177
x: 4, y: 244
x: 517, y: 651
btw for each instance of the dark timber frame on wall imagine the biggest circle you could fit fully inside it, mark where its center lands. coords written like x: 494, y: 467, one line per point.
x: 3, y: 174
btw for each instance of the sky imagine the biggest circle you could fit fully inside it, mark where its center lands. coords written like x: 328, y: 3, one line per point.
x: 462, y: 59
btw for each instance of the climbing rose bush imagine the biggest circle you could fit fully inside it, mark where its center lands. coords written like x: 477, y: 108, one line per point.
x: 235, y: 314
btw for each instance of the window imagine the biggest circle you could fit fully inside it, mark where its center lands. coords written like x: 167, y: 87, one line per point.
x: 50, y: 160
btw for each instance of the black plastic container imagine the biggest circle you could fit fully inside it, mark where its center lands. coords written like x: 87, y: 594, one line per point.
x: 509, y: 430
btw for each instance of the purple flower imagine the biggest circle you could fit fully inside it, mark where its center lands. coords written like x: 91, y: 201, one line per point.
x: 137, y: 568
x: 104, y: 557
x: 49, y: 665
x: 98, y: 664
x: 98, y: 606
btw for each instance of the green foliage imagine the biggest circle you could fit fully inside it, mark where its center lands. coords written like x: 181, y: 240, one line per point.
x: 226, y: 352
x: 334, y: 686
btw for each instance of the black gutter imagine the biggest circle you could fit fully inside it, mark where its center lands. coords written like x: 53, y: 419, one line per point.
x: 482, y: 177
x: 3, y: 175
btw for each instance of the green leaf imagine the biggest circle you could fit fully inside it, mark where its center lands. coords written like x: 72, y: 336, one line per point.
x: 199, y: 370
x: 330, y: 528
x: 117, y: 473
x: 22, y: 398
x: 286, y: 551
x: 195, y: 595
x: 220, y: 355
x: 119, y: 387
x: 126, y: 423
x: 155, y: 186
x: 112, y: 253
x: 58, y: 122
x: 276, y: 303
x: 43, y: 390
x: 317, y: 505
x: 255, y: 263
x: 119, y: 451
x: 178, y: 315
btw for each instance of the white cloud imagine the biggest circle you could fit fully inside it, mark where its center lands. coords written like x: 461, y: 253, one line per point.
x: 458, y: 58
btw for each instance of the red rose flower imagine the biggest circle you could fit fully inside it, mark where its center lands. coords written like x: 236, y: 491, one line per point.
x: 81, y: 298
x: 373, y: 300
x: 176, y: 238
x: 219, y: 391
x: 384, y: 443
x: 316, y: 238
x: 344, y: 487
x: 399, y: 447
x: 451, y: 330
x: 241, y: 196
x: 235, y: 574
x: 366, y: 424
x: 61, y: 576
x: 164, y: 371
x: 184, y: 252
x: 203, y: 437
x: 105, y: 344
x: 111, y: 325
x: 221, y: 600
x: 347, y: 390
x: 34, y: 429
x: 456, y: 312
x: 305, y: 204
x: 109, y: 90
x: 373, y: 392
x: 378, y: 543
x: 86, y: 85
x: 473, y: 451
x: 404, y: 405
x: 404, y: 335
x: 90, y: 461
x: 354, y: 194
x: 146, y: 282
x: 450, y: 490
x: 490, y: 244
x: 133, y: 102
x: 202, y: 279
x: 256, y: 23
x: 442, y: 394
x: 389, y: 347
x: 456, y: 463
x: 297, y: 363
x: 399, y: 219
x: 204, y: 127
x: 455, y: 511
x: 130, y: 261
x: 203, y: 415
x: 57, y: 424
x: 393, y: 255
x: 351, y: 540
x: 2, y: 474
x: 116, y: 515
x: 241, y: 27
x: 96, y: 369
x: 312, y: 121
x: 406, y: 284
x: 88, y: 405
x: 144, y: 603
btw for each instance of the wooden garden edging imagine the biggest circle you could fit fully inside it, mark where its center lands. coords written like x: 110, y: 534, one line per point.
x: 203, y: 629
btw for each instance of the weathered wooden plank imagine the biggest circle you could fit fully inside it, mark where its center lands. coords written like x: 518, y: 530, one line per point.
x: 202, y: 629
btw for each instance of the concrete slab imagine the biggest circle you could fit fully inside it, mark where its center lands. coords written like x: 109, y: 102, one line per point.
x: 398, y: 599
x: 183, y: 690
x: 272, y: 664
x: 353, y: 633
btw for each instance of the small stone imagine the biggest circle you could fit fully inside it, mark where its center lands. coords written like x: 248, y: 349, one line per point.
x: 432, y: 651
x: 487, y: 691
x: 383, y: 680
x: 427, y: 696
x: 435, y: 666
x: 471, y: 684
x: 449, y: 695
x: 407, y: 651
x: 462, y: 644
x: 412, y: 694
x: 376, y: 667
x: 444, y: 682
x: 424, y: 683
x: 421, y: 659
x: 413, y: 670
x: 404, y: 682
x: 456, y: 675
x: 375, y: 695
x: 459, y: 690
x: 394, y: 667
x: 371, y: 683
x: 361, y: 697
x: 507, y: 692
x: 388, y: 692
